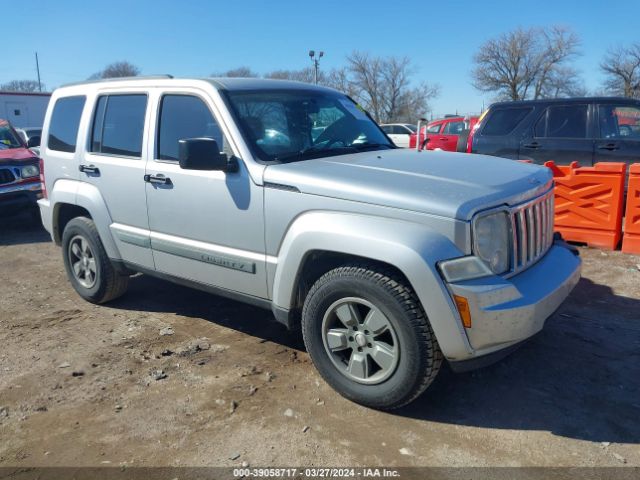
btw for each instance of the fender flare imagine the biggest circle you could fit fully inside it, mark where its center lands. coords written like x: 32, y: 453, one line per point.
x: 87, y: 196
x: 412, y: 248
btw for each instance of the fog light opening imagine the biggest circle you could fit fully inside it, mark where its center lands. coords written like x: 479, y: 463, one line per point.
x: 463, y: 308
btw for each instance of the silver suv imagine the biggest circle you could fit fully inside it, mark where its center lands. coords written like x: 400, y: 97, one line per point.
x: 288, y: 196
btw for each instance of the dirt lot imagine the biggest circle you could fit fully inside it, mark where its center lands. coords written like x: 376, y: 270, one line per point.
x: 82, y: 385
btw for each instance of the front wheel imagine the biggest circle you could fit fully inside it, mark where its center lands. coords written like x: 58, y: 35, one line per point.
x: 369, y: 338
x: 88, y: 267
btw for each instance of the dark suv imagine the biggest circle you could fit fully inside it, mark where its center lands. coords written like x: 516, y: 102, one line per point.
x: 588, y: 130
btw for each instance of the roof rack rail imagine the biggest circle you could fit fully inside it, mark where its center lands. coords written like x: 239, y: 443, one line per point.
x: 119, y: 79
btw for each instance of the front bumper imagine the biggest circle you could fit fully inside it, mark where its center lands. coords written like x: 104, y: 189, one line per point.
x: 505, y: 312
x: 18, y: 197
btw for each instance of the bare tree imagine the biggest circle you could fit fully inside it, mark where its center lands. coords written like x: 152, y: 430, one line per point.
x: 117, y: 70
x: 239, y: 72
x: 340, y: 79
x: 26, y: 86
x: 621, y: 66
x: 304, y: 75
x: 383, y: 86
x: 524, y: 63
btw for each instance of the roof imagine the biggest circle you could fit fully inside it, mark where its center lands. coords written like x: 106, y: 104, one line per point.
x: 225, y: 83
x: 235, y: 84
x: 568, y: 100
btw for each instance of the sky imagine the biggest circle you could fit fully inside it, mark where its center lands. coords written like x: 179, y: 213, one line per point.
x: 75, y: 39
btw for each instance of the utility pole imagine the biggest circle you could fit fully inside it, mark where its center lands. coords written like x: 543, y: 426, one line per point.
x: 316, y: 62
x: 38, y: 70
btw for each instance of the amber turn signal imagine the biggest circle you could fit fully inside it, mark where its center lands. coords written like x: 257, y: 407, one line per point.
x: 463, y: 307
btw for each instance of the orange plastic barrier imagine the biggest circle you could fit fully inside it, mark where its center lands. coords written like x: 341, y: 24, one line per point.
x: 588, y: 202
x: 631, y: 239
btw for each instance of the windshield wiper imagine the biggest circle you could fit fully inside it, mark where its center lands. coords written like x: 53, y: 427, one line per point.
x: 361, y: 147
x: 314, y: 152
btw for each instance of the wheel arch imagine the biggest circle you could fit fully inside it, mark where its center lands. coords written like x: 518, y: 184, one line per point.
x: 72, y: 199
x: 320, y: 241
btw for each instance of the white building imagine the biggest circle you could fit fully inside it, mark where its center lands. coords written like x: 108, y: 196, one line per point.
x: 24, y: 109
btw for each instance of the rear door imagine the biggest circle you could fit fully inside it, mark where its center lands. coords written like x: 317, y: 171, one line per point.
x: 114, y: 162
x: 563, y: 133
x: 500, y: 131
x: 449, y: 135
x: 618, y: 133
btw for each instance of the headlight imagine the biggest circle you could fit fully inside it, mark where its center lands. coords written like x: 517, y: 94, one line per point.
x: 29, y: 171
x: 491, y: 240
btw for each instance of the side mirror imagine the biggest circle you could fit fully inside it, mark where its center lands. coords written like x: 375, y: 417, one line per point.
x: 203, y: 154
x: 33, y: 142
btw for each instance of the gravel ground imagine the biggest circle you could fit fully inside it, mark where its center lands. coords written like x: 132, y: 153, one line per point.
x: 168, y: 376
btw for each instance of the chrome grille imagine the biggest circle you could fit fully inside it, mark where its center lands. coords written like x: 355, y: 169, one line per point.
x: 532, y: 229
x: 6, y: 176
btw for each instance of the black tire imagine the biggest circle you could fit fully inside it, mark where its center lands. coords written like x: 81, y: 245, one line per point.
x: 108, y: 283
x: 419, y: 354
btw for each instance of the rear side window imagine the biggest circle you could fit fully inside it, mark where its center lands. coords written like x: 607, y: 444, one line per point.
x: 65, y: 120
x: 563, y: 121
x: 118, y: 125
x: 453, y: 128
x: 504, y: 120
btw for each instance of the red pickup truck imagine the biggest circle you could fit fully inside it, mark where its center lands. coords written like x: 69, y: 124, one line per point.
x: 20, y: 186
x: 449, y: 134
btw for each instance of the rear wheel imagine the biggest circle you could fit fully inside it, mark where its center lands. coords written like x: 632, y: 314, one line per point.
x: 88, y: 267
x: 369, y: 338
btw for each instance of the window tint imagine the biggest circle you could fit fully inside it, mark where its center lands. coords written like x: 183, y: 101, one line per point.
x: 503, y: 121
x: 434, y: 128
x: 563, y: 121
x: 118, y: 125
x: 388, y: 129
x: 454, y: 128
x: 400, y: 130
x: 65, y: 120
x: 182, y: 117
x: 619, y: 121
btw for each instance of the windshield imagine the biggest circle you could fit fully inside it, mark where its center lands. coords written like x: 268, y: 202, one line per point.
x: 291, y: 125
x: 8, y: 138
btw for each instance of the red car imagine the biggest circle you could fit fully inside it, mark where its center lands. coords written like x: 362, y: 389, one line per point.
x: 20, y: 186
x: 449, y: 134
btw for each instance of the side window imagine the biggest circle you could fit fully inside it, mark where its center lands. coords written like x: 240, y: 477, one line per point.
x: 453, y: 128
x: 563, y: 121
x: 118, y: 125
x: 388, y: 129
x: 503, y: 121
x: 434, y: 128
x: 619, y: 122
x: 65, y: 120
x: 398, y: 130
x: 182, y: 117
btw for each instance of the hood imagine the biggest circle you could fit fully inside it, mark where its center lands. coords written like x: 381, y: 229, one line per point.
x: 453, y: 185
x: 16, y: 156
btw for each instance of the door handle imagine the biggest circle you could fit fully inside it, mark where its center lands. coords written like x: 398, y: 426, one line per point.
x: 608, y: 146
x: 444, y: 139
x: 158, y: 179
x: 533, y: 145
x: 89, y: 169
